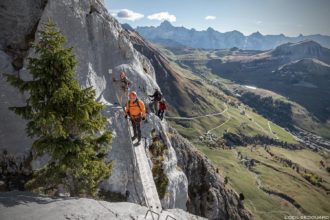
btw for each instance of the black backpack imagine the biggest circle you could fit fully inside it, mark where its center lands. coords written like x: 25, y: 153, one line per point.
x: 158, y: 96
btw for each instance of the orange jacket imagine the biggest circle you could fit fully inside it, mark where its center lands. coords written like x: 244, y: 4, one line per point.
x: 135, y: 108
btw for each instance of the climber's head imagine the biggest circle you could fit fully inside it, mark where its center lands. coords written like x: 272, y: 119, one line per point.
x: 122, y: 75
x: 132, y: 95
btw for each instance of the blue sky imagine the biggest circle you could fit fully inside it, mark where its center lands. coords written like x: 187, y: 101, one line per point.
x: 290, y: 17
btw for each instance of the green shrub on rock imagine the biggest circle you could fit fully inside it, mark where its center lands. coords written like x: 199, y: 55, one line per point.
x: 64, y: 120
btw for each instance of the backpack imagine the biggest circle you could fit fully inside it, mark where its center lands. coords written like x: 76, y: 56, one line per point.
x: 135, y: 102
x: 162, y: 105
x: 158, y: 96
x: 125, y: 82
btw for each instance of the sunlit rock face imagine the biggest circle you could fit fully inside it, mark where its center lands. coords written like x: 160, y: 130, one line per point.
x: 102, y: 50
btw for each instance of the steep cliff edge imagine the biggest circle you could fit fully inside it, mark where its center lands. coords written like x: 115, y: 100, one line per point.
x: 208, y: 195
x: 171, y: 81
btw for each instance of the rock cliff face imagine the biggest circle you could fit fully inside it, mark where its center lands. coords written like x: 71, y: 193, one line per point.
x: 208, y: 195
x: 15, y: 204
x: 102, y: 49
x: 171, y: 81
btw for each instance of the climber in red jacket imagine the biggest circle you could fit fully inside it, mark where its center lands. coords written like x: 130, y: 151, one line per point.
x: 162, y: 108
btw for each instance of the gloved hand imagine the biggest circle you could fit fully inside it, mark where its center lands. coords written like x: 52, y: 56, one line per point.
x: 143, y: 118
x: 125, y: 116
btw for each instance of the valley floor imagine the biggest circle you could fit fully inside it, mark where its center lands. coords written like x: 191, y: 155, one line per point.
x: 274, y: 181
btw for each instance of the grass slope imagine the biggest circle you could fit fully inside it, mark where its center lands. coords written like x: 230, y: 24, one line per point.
x: 212, y: 99
x: 196, y: 60
x: 271, y: 188
x: 274, y: 177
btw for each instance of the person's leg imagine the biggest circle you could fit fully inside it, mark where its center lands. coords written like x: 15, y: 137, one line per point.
x: 120, y: 101
x: 138, y: 128
x: 124, y: 97
x: 158, y: 113
x: 161, y: 115
x: 134, y: 128
x: 155, y: 107
x: 118, y: 92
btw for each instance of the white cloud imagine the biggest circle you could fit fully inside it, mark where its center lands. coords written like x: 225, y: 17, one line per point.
x: 162, y: 16
x: 258, y: 22
x: 127, y: 14
x: 210, y: 17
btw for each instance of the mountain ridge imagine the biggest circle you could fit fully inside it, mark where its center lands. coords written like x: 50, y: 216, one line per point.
x: 213, y: 39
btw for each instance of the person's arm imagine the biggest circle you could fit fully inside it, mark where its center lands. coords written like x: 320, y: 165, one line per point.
x: 143, y: 109
x: 127, y: 109
x: 128, y: 82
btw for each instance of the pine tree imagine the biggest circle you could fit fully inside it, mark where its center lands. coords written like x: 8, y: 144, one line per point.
x: 64, y: 120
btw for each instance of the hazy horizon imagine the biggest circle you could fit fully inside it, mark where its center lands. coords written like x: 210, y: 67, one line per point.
x: 269, y: 17
x: 223, y: 31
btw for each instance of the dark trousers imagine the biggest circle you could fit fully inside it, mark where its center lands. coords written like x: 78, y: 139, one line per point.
x: 136, y: 123
x: 161, y: 114
x: 155, y: 105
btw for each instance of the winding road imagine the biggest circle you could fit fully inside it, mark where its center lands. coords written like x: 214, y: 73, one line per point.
x: 204, y: 116
x: 229, y: 117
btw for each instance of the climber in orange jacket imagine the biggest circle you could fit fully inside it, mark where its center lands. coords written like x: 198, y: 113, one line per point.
x: 136, y: 110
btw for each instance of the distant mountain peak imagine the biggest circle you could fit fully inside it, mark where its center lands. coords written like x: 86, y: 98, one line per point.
x: 256, y: 34
x: 210, y: 30
x: 234, y: 33
x: 166, y: 24
x: 301, y: 50
x: 127, y: 27
x: 306, y: 44
x: 167, y: 32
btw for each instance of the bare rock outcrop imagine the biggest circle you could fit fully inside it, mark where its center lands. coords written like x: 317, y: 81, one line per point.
x: 208, y: 195
x: 102, y: 50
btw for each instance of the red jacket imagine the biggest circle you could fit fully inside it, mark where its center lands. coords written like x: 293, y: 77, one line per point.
x: 162, y: 106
